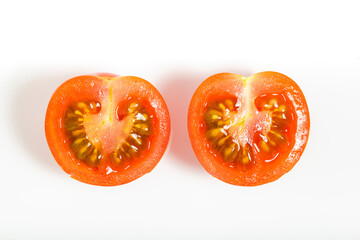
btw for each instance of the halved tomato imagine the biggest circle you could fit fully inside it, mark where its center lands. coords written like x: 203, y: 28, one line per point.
x: 248, y: 130
x: 107, y: 130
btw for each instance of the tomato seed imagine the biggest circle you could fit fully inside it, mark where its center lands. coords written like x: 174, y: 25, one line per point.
x: 264, y: 146
x: 229, y: 104
x: 139, y: 133
x: 80, y: 144
x: 217, y: 121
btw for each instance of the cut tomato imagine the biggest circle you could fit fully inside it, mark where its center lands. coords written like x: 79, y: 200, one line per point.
x: 107, y: 130
x: 248, y: 130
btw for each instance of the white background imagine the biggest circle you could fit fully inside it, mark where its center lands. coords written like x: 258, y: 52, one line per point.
x: 175, y: 46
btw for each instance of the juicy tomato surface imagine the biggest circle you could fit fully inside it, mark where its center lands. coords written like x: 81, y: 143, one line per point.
x: 248, y: 131
x: 107, y: 130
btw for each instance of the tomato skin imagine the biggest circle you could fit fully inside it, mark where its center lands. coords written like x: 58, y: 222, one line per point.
x: 258, y: 84
x: 96, y: 87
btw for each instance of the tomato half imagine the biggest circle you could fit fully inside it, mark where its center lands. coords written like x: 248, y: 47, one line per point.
x: 107, y: 130
x: 248, y: 130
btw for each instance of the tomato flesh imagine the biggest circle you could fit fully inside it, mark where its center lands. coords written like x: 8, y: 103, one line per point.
x: 112, y: 130
x: 248, y: 130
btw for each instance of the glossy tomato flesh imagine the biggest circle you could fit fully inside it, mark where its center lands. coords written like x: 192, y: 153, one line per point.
x: 107, y: 130
x: 248, y: 130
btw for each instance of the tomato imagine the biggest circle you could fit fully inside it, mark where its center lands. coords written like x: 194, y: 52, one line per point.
x: 248, y: 131
x: 107, y: 130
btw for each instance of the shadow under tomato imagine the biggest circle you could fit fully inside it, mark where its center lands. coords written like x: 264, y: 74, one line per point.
x: 31, y: 98
x: 177, y: 91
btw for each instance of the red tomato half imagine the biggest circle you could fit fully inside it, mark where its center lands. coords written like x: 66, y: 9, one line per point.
x: 248, y: 130
x: 107, y: 130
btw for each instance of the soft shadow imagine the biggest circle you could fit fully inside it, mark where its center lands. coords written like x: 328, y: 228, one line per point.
x: 177, y: 91
x: 31, y: 96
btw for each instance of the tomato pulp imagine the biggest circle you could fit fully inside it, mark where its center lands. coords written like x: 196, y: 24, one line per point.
x: 107, y: 130
x: 248, y: 131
